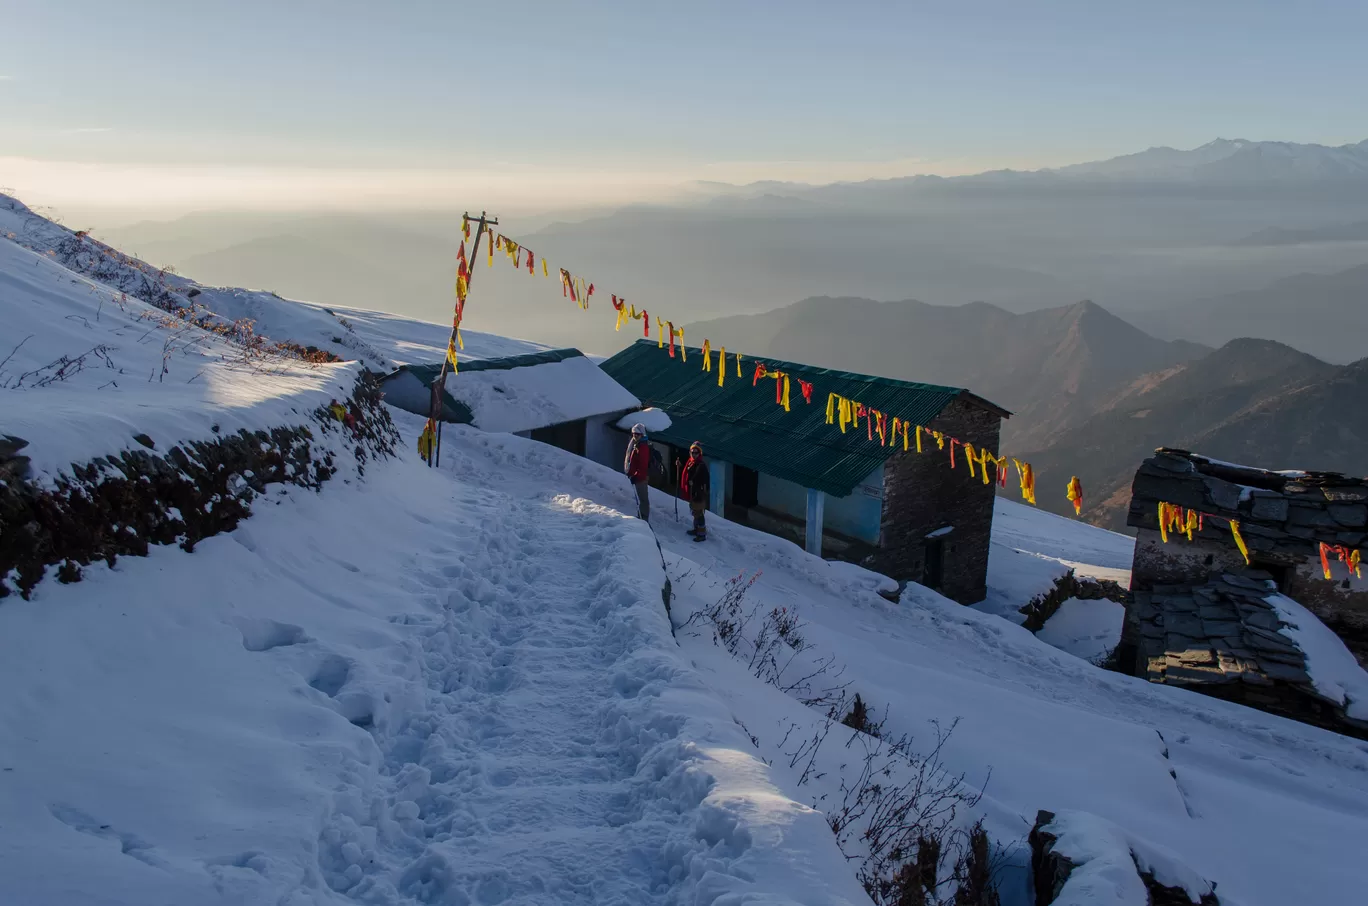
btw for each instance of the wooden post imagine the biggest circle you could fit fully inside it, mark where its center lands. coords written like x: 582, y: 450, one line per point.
x: 816, y: 505
x: 439, y: 386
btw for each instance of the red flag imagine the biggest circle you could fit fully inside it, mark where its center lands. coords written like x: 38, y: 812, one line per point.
x: 807, y: 390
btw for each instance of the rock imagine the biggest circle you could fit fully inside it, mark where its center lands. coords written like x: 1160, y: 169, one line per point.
x: 1349, y: 515
x: 1171, y: 463
x: 11, y: 445
x: 1272, y: 509
x: 1314, y: 516
x: 13, y: 467
x: 1285, y: 673
x: 1223, y: 494
x: 145, y: 441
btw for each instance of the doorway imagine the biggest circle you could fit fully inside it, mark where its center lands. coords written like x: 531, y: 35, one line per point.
x: 745, y: 487
x: 933, y: 564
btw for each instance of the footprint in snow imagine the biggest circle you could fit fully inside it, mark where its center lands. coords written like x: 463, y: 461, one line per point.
x: 263, y: 634
x: 331, y: 675
x: 129, y: 844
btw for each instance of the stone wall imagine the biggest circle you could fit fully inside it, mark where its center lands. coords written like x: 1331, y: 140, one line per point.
x: 120, y: 505
x: 922, y: 494
x: 1283, y: 518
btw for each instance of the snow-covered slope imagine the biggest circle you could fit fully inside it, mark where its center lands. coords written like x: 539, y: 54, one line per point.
x: 376, y: 340
x: 459, y: 686
x: 1032, y: 548
x: 84, y: 368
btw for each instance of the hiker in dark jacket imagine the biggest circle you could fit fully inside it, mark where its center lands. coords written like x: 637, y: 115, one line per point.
x: 695, y: 486
x: 637, y: 465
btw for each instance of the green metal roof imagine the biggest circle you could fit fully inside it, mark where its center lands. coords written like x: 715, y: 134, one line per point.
x: 741, y: 423
x: 453, y: 410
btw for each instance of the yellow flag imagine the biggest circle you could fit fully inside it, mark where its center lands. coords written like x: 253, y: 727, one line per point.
x: 707, y: 355
x: 722, y: 366
x: 1239, y: 541
x: 451, y: 353
x: 545, y: 271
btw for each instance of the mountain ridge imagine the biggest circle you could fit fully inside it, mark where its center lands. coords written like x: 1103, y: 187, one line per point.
x: 1051, y: 367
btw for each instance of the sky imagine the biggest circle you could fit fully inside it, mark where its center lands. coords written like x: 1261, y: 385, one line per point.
x: 171, y: 105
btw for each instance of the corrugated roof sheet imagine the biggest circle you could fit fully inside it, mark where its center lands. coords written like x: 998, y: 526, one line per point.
x: 740, y: 423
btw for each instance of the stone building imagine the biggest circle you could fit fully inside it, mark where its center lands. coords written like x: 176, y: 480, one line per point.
x: 845, y: 495
x: 1203, y: 616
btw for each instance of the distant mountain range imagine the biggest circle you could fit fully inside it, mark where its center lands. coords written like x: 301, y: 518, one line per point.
x: 1255, y: 402
x: 1234, y: 160
x: 1337, y: 232
x: 1052, y: 368
x: 1091, y: 394
x: 1324, y: 314
x: 1137, y: 233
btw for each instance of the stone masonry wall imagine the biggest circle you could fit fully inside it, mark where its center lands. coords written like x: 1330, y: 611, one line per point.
x: 1283, y: 519
x: 120, y: 505
x: 922, y: 494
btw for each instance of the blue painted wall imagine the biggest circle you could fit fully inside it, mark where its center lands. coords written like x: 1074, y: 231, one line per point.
x: 857, y: 515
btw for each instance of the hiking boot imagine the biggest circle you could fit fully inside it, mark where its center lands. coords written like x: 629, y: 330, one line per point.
x: 699, y: 536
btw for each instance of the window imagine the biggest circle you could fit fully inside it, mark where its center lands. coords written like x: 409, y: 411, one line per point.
x: 745, y: 486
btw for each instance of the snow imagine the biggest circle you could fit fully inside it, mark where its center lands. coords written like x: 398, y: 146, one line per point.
x: 379, y: 341
x: 941, y: 532
x: 459, y: 685
x: 535, y: 396
x: 1086, y: 629
x: 1106, y: 859
x: 414, y: 689
x: 1032, y: 548
x: 1333, y: 668
x: 652, y: 418
x: 50, y: 312
x: 1262, y: 805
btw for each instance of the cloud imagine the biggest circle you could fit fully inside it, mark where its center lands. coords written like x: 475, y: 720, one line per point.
x: 87, y: 130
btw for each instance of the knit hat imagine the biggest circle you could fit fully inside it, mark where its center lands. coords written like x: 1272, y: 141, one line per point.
x: 695, y: 446
x: 639, y: 428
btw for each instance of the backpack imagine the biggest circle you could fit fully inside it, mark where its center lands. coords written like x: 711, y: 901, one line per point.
x: 657, y: 461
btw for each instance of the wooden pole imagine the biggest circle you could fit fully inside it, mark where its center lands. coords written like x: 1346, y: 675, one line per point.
x: 439, y: 386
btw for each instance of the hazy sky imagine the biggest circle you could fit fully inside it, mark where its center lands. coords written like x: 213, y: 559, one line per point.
x: 176, y: 104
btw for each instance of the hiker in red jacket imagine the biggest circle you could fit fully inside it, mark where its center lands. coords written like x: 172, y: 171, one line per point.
x: 637, y: 465
x: 694, y: 486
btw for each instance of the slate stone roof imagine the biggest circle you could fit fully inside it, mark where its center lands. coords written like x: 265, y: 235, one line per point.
x: 1279, y: 512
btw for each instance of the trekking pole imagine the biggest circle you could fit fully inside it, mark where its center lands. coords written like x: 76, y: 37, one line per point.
x: 676, y: 493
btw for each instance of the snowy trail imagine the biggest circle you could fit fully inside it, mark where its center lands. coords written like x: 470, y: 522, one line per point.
x: 1237, y: 791
x: 516, y: 780
x: 429, y: 687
